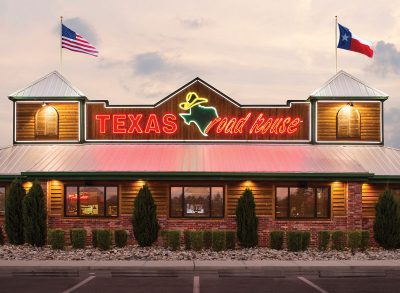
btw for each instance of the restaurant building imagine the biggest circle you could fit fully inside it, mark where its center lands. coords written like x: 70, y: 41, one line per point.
x: 313, y: 164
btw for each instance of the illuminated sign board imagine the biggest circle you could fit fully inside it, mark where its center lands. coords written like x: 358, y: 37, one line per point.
x: 198, y: 112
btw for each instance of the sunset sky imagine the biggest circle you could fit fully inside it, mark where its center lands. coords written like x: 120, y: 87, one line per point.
x: 254, y: 51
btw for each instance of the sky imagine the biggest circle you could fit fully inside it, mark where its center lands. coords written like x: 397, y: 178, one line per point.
x: 254, y: 51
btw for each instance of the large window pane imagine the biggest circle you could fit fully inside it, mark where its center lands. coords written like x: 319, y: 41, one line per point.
x: 322, y: 202
x: 2, y: 199
x: 197, y: 201
x: 91, y: 200
x: 302, y: 202
x: 282, y: 202
x: 71, y: 201
x: 176, y: 202
x: 112, y: 201
x: 217, y: 202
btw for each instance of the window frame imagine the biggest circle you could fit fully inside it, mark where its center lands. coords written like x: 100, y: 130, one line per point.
x: 339, y: 136
x: 315, y: 218
x: 57, y: 124
x: 183, y: 202
x: 78, y: 204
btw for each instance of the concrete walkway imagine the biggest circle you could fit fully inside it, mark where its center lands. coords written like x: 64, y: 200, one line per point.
x: 266, y: 267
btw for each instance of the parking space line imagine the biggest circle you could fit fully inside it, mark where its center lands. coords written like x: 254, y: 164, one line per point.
x: 196, y: 284
x: 315, y: 286
x: 80, y: 284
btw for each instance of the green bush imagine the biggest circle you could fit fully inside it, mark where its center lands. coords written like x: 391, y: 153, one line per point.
x: 354, y: 240
x: 35, y: 215
x: 230, y: 239
x: 365, y: 236
x: 338, y: 240
x: 305, y: 240
x: 121, y: 237
x: 197, y: 240
x: 207, y: 239
x: 94, y: 237
x: 294, y: 240
x: 387, y: 221
x: 78, y: 238
x: 144, y: 220
x: 323, y: 240
x: 187, y: 238
x: 2, y: 238
x: 164, y: 238
x: 104, y: 239
x: 13, y: 218
x: 276, y: 239
x: 218, y: 240
x: 246, y: 220
x: 173, y: 239
x: 56, y: 238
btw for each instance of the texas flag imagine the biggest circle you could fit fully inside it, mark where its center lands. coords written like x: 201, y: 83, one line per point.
x: 348, y: 41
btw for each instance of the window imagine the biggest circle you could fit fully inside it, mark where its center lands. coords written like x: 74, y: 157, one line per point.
x: 2, y: 199
x: 46, y: 122
x: 91, y: 201
x: 306, y: 203
x: 197, y: 202
x: 348, y: 122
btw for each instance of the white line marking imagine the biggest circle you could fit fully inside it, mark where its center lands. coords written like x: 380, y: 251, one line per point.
x: 196, y: 284
x: 80, y: 284
x: 308, y: 282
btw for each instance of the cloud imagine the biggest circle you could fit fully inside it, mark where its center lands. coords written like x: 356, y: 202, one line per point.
x: 193, y: 23
x: 149, y: 63
x: 392, y: 120
x: 81, y: 27
x: 386, y: 59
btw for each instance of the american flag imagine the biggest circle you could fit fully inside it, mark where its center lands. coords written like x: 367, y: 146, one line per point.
x: 75, y: 42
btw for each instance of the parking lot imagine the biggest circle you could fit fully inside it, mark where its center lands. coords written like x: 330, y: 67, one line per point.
x: 197, y: 283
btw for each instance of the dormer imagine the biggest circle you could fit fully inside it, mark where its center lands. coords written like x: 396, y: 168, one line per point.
x: 47, y: 111
x: 347, y: 111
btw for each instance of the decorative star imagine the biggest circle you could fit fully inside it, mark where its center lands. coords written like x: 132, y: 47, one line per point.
x: 345, y: 38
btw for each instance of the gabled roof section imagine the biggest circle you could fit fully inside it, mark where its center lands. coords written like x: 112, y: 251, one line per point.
x: 344, y: 85
x: 53, y: 85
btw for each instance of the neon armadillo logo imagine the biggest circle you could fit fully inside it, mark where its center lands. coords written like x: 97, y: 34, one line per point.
x: 200, y: 115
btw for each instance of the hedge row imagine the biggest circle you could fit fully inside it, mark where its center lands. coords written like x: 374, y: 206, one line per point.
x: 101, y: 238
x: 198, y: 240
x: 336, y: 240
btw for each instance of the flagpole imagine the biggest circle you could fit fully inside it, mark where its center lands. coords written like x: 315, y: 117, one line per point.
x: 61, y: 18
x: 336, y: 26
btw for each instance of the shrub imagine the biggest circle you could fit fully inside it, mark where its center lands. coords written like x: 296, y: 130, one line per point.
x: 2, y: 238
x: 197, y: 240
x: 34, y: 215
x: 323, y: 240
x: 364, y: 240
x: 164, y: 238
x: 187, y: 238
x: 104, y: 239
x: 56, y: 238
x: 305, y: 240
x: 230, y: 239
x: 294, y: 240
x: 78, y: 238
x: 173, y: 239
x: 338, y: 240
x: 207, y: 239
x: 246, y: 220
x: 13, y: 219
x: 276, y: 239
x: 94, y: 237
x: 218, y: 240
x: 354, y: 240
x: 387, y: 221
x: 121, y: 237
x: 144, y: 220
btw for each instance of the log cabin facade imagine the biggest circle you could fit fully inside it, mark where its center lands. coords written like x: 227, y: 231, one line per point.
x: 313, y: 164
